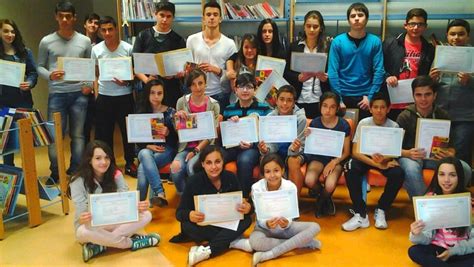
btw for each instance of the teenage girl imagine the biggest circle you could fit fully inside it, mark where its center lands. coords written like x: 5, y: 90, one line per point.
x: 269, y: 39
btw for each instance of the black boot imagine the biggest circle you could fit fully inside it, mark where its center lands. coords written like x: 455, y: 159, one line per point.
x: 321, y: 204
x: 331, y: 208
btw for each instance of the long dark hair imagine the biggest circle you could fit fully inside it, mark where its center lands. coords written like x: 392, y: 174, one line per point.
x: 323, y: 41
x: 435, y: 188
x: 18, y: 44
x: 276, y: 46
x: 252, y: 39
x: 146, y: 107
x: 204, y: 153
x: 86, y: 171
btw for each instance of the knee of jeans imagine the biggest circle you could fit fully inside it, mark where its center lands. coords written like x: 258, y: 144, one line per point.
x: 144, y: 153
x: 175, y: 166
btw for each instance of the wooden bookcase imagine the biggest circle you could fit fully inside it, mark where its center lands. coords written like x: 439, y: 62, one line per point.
x: 30, y: 175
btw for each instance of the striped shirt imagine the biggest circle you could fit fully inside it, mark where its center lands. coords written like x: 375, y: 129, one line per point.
x: 256, y: 107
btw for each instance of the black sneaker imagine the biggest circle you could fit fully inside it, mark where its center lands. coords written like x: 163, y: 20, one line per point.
x: 90, y: 250
x: 331, y: 208
x: 131, y: 170
x: 145, y: 241
x: 159, y: 201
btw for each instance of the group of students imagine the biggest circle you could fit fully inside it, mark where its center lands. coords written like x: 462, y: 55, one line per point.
x: 359, y: 68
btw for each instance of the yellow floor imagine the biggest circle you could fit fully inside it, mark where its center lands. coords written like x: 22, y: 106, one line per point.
x: 53, y: 243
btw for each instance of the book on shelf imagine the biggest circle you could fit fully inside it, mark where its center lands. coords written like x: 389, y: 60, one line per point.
x: 41, y: 134
x: 6, y: 119
x: 11, y: 179
x: 46, y: 191
x: 258, y: 11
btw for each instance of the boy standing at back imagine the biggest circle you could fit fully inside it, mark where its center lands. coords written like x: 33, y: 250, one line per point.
x: 407, y: 55
x: 355, y: 67
x: 358, y: 166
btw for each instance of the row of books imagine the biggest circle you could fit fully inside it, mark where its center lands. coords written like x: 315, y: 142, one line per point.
x: 11, y: 179
x: 258, y: 11
x: 138, y: 9
x: 6, y: 122
x: 41, y: 134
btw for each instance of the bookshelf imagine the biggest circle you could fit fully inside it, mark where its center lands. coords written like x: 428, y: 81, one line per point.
x: 25, y: 131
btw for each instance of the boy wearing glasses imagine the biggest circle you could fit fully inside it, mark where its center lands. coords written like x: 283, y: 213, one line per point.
x: 407, y: 55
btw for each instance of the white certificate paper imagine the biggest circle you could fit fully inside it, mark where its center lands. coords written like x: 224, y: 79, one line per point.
x: 277, y: 129
x: 119, y: 68
x: 402, y: 93
x: 205, y: 129
x: 113, y: 208
x: 145, y: 63
x: 140, y: 128
x: 382, y: 140
x: 77, y: 69
x: 426, y: 129
x: 279, y: 203
x: 271, y: 63
x: 219, y: 207
x: 233, y: 133
x: 171, y: 62
x: 324, y: 142
x: 454, y: 58
x: 444, y: 211
x: 12, y: 73
x: 308, y: 62
x: 273, y: 80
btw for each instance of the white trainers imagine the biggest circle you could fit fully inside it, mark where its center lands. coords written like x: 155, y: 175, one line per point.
x: 379, y: 217
x: 356, y: 222
x: 198, y: 254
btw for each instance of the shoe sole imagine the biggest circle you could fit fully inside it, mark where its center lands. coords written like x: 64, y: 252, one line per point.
x: 351, y: 230
x: 381, y: 227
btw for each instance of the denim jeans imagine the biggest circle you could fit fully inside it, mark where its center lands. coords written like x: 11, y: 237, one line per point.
x: 463, y: 136
x: 186, y: 170
x: 223, y: 99
x: 148, y: 171
x: 73, y: 109
x: 414, y: 183
x: 247, y: 159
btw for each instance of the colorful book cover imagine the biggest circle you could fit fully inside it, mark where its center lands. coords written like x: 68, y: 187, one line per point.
x: 10, y: 180
x: 260, y: 76
x: 439, y: 144
x: 156, y: 124
x: 189, y: 123
x: 189, y: 66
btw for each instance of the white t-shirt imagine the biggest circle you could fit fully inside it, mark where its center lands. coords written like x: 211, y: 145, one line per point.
x: 370, y: 122
x: 100, y: 50
x: 311, y: 89
x: 216, y: 55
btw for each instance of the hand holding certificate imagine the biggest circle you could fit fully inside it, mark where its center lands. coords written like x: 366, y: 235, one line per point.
x: 77, y: 69
x: 279, y: 203
x: 454, y: 58
x: 443, y: 211
x: 245, y: 130
x: 205, y: 128
x: 115, y: 68
x: 271, y: 63
x: 386, y: 141
x: 401, y: 93
x: 144, y: 128
x: 113, y: 208
x: 324, y: 142
x: 277, y: 129
x: 171, y: 62
x: 308, y: 62
x: 219, y: 207
x: 426, y: 129
x: 12, y: 73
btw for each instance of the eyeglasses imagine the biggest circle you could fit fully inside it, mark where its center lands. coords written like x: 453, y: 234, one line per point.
x: 419, y: 24
x: 246, y: 87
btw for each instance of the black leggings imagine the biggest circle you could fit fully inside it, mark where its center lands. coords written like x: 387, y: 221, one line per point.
x: 425, y: 255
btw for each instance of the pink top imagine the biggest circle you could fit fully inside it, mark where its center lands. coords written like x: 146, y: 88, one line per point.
x: 196, y: 109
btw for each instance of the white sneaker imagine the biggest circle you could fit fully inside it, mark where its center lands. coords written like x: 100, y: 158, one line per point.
x: 379, y: 217
x: 356, y: 222
x: 198, y: 254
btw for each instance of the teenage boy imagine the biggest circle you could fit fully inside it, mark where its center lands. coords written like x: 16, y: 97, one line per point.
x: 68, y: 98
x: 355, y: 67
x: 408, y: 55
x: 413, y: 159
x: 358, y: 166
x: 157, y: 39
x: 115, y: 99
x: 210, y: 50
x: 456, y: 94
x: 246, y: 154
x: 91, y: 28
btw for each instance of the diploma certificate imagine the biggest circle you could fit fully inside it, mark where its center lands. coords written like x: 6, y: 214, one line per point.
x: 219, y: 207
x: 233, y: 133
x: 279, y: 203
x: 77, y: 69
x: 402, y: 93
x: 205, y: 129
x: 426, y: 129
x: 273, y: 80
x: 454, y: 58
x: 324, y: 142
x: 113, y: 208
x: 145, y: 63
x: 308, y: 62
x: 140, y: 127
x: 119, y: 68
x: 12, y: 73
x: 443, y: 211
x: 171, y: 62
x: 277, y: 129
x: 382, y: 140
x: 271, y: 63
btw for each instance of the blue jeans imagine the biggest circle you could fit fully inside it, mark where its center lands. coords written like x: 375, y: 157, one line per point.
x: 148, y: 171
x: 186, y: 169
x: 463, y: 136
x: 73, y: 108
x: 223, y: 99
x: 413, y: 169
x: 247, y: 159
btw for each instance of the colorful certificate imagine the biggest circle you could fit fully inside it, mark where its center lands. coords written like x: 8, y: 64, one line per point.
x: 381, y: 140
x: 402, y: 93
x: 113, y: 208
x: 271, y: 63
x: 12, y: 73
x: 77, y: 69
x: 308, y: 62
x: 274, y: 80
x: 145, y: 63
x: 142, y: 128
x: 118, y: 68
x: 279, y: 203
x: 454, y: 58
x: 426, y: 129
x: 205, y: 129
x: 245, y: 130
x: 219, y: 207
x: 443, y: 211
x: 277, y: 129
x: 324, y: 142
